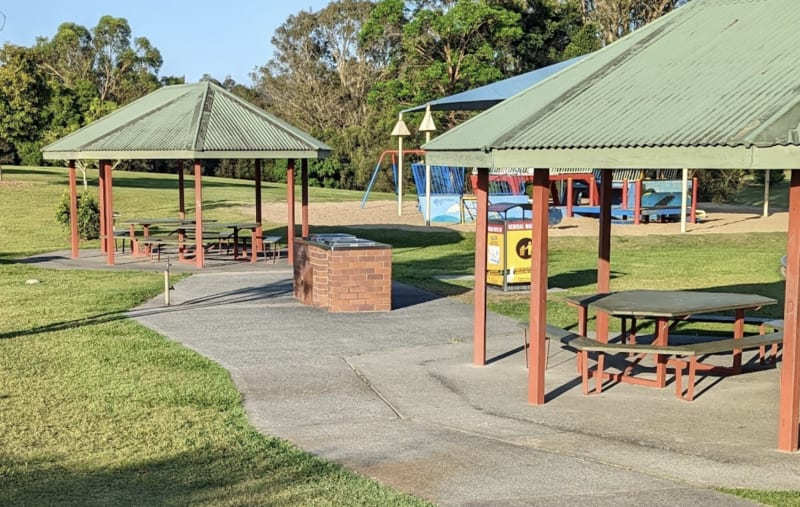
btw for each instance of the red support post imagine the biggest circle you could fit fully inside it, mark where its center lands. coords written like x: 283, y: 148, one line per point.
x: 290, y: 215
x: 199, y: 253
x: 304, y: 194
x: 181, y: 192
x: 637, y: 203
x: 625, y: 194
x: 109, y: 213
x: 789, y: 405
x: 101, y: 202
x: 570, y: 197
x: 258, y: 240
x: 481, y: 234
x: 537, y: 354
x: 73, y: 211
x: 604, y: 251
x: 593, y: 191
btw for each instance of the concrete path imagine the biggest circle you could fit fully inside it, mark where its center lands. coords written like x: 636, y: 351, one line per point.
x: 394, y: 396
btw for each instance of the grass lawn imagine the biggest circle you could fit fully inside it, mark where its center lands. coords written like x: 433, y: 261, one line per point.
x: 96, y: 409
x: 753, y: 195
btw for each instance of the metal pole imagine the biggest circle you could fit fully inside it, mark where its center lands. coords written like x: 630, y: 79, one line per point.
x: 399, y: 176
x: 684, y: 195
x: 166, y: 284
x: 766, y: 193
x: 427, y: 185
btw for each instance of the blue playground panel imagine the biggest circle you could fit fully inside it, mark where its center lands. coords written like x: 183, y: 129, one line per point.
x: 447, y: 189
x: 621, y: 215
x: 444, y: 179
x: 655, y: 193
x: 444, y: 208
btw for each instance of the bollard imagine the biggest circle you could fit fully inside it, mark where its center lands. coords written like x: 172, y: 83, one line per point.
x: 166, y: 284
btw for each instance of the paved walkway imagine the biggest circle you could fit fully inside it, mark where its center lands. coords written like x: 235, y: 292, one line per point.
x: 394, y: 396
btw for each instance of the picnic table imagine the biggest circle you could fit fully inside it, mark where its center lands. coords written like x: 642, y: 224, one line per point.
x: 254, y: 228
x: 141, y: 245
x: 145, y: 224
x: 664, y: 307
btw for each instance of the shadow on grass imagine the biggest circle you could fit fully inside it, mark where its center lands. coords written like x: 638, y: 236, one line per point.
x: 245, y: 295
x: 261, y: 472
x: 775, y: 290
x: 581, y: 278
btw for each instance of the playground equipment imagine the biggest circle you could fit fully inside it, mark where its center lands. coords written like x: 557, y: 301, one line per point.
x: 392, y: 155
x: 447, y: 192
x: 638, y: 196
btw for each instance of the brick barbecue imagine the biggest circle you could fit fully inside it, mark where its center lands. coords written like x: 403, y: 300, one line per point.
x: 343, y: 273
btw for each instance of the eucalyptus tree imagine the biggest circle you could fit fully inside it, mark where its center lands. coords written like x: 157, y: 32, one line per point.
x: 319, y: 79
x: 617, y: 18
x: 104, y: 67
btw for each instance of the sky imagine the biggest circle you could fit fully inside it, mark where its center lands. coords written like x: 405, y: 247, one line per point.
x: 194, y: 37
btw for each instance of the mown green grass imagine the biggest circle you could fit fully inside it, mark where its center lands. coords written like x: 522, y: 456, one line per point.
x: 96, y: 409
x: 752, y: 194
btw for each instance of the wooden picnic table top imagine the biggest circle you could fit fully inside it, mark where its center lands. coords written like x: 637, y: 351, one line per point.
x: 669, y: 303
x: 241, y: 225
x: 164, y: 221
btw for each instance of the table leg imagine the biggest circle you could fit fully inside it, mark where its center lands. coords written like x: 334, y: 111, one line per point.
x: 582, y: 318
x: 662, y: 338
x: 738, y: 332
x: 146, y: 238
x: 181, y: 244
x: 134, y: 243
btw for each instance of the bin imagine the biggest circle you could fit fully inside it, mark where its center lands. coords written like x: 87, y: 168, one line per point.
x: 509, y: 245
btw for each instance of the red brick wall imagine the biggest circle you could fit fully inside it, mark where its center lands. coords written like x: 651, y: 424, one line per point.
x: 360, y: 280
x: 303, y: 275
x: 343, y: 280
x: 319, y: 258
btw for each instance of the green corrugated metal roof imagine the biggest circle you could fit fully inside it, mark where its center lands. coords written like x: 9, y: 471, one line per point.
x: 194, y: 121
x: 715, y: 83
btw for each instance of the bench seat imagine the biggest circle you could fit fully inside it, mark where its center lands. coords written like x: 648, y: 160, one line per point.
x: 550, y: 332
x: 684, y: 355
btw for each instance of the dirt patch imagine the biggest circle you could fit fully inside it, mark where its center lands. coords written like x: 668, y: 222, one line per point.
x: 384, y: 214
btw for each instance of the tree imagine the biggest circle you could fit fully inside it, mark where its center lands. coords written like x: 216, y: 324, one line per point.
x: 105, y: 59
x: 616, y: 18
x: 553, y: 31
x: 451, y: 46
x: 320, y: 73
x: 23, y: 96
x: 319, y: 80
x: 23, y: 92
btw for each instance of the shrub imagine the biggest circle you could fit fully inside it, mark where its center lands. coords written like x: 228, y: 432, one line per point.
x: 775, y: 176
x: 716, y: 185
x: 30, y: 153
x: 88, y: 215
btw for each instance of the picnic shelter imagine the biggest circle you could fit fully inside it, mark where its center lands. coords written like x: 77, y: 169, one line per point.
x: 190, y: 122
x: 712, y: 85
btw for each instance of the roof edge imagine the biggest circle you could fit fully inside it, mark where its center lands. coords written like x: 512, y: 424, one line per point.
x: 185, y: 155
x: 705, y: 157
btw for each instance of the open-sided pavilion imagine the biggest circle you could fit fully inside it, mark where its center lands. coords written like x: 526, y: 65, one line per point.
x: 192, y: 122
x: 713, y: 84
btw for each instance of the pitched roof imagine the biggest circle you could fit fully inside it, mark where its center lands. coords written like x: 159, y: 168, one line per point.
x: 488, y: 95
x: 194, y: 121
x: 715, y: 83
